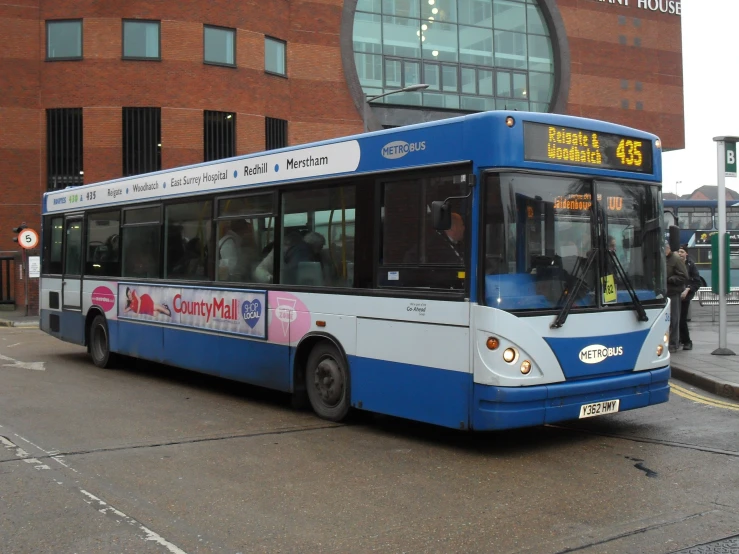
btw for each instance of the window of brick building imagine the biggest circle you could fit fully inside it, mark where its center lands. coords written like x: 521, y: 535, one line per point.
x: 63, y: 148
x: 142, y: 140
x: 274, y: 56
x: 141, y: 40
x: 219, y: 45
x: 64, y: 40
x: 219, y: 135
x: 275, y: 133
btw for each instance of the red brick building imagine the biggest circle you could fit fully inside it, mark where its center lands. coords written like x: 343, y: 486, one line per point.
x: 618, y: 60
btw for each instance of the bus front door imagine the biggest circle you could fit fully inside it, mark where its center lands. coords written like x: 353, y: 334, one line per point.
x: 73, y: 321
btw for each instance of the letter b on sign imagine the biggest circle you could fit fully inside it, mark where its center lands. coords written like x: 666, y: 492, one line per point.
x: 731, y: 159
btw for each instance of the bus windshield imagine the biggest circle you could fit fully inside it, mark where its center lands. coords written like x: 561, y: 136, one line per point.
x: 540, y: 230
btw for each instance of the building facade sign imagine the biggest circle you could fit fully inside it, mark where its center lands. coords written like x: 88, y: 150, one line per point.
x: 672, y: 7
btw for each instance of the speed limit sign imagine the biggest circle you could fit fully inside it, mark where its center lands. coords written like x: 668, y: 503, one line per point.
x: 28, y: 238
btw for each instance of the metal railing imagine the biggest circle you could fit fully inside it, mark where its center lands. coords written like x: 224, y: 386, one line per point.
x: 706, y: 297
x: 7, y: 265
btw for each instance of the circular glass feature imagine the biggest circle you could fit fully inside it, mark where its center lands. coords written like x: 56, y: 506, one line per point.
x: 475, y: 55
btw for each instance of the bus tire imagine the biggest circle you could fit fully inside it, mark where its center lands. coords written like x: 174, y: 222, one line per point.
x: 100, y: 343
x: 327, y: 382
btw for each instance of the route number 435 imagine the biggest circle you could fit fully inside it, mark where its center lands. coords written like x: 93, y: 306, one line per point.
x: 629, y: 152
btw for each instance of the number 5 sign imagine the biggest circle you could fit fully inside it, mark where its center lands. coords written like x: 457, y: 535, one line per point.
x: 28, y: 238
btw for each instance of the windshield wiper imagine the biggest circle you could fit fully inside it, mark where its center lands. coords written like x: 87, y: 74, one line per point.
x: 641, y: 314
x: 578, y: 274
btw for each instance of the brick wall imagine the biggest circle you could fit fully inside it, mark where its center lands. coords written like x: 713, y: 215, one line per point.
x: 623, y: 55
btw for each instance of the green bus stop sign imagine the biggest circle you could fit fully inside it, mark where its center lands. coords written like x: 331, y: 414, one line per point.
x: 730, y: 159
x: 714, y: 264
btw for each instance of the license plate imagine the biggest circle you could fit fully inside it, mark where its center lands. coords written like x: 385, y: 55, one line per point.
x: 599, y: 408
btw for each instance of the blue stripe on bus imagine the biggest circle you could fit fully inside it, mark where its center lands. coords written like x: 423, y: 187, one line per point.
x: 421, y: 393
x: 508, y: 407
x: 251, y: 361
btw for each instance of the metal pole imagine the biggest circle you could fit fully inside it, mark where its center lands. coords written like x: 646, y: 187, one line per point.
x: 25, y: 276
x: 367, y: 110
x: 722, y: 350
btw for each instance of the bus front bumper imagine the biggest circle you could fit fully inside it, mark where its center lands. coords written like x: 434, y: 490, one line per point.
x: 508, y: 407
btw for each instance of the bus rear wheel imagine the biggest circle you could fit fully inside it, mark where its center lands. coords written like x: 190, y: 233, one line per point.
x: 100, y: 343
x: 327, y: 382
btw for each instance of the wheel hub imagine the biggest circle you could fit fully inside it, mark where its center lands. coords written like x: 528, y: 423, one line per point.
x: 329, y: 381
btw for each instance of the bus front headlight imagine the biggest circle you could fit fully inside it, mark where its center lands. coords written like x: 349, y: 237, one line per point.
x: 510, y: 355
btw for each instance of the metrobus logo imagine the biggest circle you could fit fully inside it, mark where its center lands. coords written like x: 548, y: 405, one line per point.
x: 595, y: 353
x: 399, y: 148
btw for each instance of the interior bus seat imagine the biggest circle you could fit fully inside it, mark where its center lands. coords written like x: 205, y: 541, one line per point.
x: 310, y: 273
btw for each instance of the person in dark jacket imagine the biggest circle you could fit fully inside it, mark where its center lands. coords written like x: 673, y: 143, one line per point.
x: 677, y: 276
x: 691, y: 287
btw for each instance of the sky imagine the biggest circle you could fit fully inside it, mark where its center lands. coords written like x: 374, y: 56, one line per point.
x: 711, y: 81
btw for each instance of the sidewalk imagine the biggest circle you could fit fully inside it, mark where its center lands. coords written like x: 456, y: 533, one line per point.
x: 716, y: 374
x: 18, y: 318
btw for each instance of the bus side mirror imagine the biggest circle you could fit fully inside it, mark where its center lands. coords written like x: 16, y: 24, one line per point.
x: 674, y: 238
x: 441, y: 215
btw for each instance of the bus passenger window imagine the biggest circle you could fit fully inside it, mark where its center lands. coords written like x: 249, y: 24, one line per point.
x: 53, y: 240
x: 413, y: 253
x: 187, y: 239
x: 141, y: 231
x: 72, y: 246
x: 244, y: 240
x: 318, y: 237
x: 103, y: 244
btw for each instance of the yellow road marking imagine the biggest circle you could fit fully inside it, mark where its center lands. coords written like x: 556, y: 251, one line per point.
x: 695, y: 397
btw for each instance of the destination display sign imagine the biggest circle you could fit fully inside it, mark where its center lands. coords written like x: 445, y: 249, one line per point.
x: 583, y: 202
x: 579, y: 147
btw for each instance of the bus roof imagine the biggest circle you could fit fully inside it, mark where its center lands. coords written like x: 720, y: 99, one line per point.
x: 482, y: 139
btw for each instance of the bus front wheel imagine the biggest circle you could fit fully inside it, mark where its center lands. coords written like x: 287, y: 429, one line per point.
x: 100, y: 343
x: 327, y: 382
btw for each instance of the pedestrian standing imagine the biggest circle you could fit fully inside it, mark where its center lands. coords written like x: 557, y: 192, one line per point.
x: 677, y: 276
x: 691, y: 287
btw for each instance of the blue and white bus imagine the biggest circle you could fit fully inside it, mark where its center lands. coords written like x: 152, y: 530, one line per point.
x: 498, y: 270
x: 698, y: 221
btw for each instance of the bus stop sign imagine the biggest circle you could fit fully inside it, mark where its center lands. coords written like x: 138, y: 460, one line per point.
x: 730, y: 159
x: 714, y: 264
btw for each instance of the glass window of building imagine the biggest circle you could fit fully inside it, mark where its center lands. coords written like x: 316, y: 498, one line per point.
x: 274, y: 56
x: 64, y: 148
x: 475, y: 55
x: 64, y: 40
x: 142, y: 140
x: 141, y: 40
x: 275, y: 133
x: 219, y: 45
x: 219, y: 135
